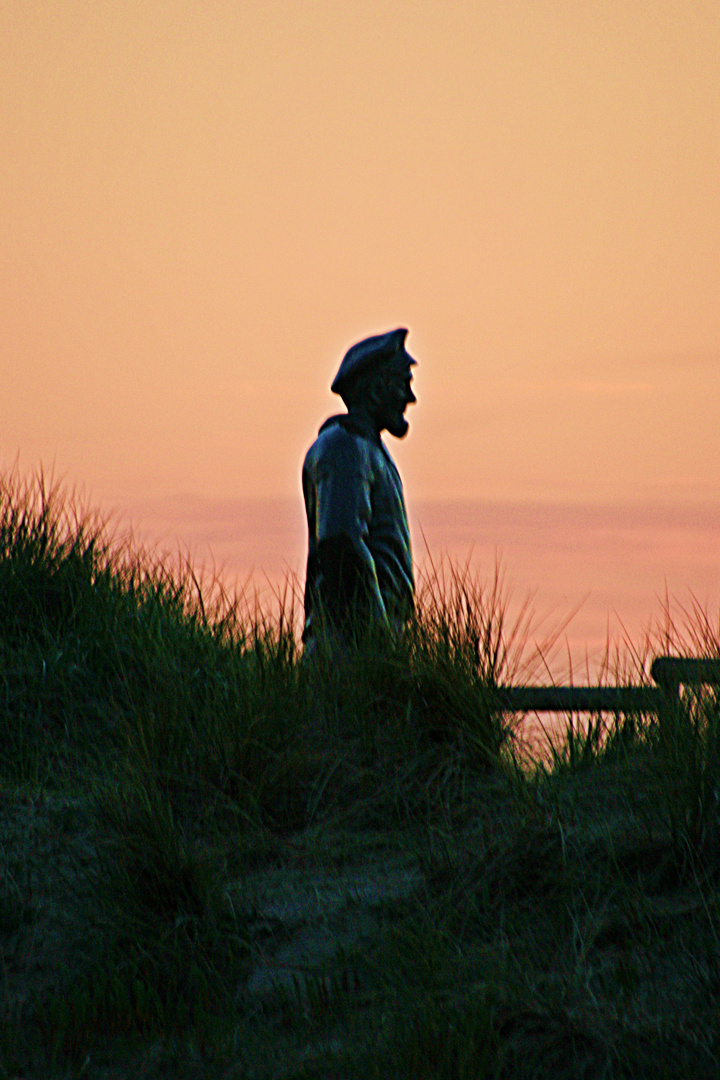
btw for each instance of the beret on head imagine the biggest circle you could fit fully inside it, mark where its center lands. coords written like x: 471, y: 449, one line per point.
x: 370, y: 354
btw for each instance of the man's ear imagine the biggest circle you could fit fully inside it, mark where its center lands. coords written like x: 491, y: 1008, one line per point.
x: 377, y: 385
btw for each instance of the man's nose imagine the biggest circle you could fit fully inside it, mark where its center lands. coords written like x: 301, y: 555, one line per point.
x: 410, y: 397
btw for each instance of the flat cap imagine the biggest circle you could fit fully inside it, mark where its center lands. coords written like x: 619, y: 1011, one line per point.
x: 369, y: 354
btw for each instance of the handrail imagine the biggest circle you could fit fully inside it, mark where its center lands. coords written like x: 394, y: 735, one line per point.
x: 668, y: 672
x: 581, y: 698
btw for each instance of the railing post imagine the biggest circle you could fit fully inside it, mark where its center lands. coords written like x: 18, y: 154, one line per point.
x: 672, y: 672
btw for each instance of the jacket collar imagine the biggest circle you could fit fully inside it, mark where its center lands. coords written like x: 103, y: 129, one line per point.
x: 354, y: 425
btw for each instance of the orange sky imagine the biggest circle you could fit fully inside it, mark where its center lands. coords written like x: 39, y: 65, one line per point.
x: 205, y: 203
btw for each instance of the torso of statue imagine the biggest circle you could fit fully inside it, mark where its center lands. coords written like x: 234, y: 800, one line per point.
x: 359, y: 555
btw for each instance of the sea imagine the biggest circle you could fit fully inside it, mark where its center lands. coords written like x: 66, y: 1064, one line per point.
x: 582, y: 587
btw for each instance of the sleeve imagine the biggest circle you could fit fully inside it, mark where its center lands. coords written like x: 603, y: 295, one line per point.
x: 343, y: 488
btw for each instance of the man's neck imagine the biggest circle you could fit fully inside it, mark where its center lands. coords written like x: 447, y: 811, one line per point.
x: 364, y: 420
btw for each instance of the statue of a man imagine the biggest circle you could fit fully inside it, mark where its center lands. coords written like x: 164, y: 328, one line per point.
x: 359, y: 569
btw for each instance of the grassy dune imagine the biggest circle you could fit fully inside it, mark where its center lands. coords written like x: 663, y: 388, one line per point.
x: 219, y: 861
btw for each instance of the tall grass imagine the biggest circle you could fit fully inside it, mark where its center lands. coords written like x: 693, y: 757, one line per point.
x: 183, y: 796
x: 111, y: 652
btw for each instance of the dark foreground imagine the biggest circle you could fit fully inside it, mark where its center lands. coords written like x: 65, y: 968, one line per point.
x: 215, y: 862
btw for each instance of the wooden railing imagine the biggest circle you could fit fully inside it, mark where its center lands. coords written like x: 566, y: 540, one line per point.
x: 668, y: 672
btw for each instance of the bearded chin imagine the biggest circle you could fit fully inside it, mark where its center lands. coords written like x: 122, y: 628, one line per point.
x: 398, y: 426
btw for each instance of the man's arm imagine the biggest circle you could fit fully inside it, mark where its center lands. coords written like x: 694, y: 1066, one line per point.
x: 348, y: 583
x: 349, y: 588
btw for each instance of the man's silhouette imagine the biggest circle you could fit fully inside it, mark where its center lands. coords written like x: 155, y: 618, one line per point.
x: 359, y: 570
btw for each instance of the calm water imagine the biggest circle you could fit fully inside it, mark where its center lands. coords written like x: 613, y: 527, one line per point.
x: 610, y: 566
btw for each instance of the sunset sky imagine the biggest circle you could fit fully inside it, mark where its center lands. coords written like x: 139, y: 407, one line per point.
x: 205, y: 204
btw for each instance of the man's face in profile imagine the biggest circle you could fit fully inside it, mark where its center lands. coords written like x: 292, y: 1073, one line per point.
x: 395, y: 397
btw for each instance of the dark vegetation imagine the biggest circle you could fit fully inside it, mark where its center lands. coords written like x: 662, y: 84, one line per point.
x: 218, y: 861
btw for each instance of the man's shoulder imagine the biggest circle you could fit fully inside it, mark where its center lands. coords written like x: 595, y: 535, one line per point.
x: 341, y: 430
x: 338, y: 441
